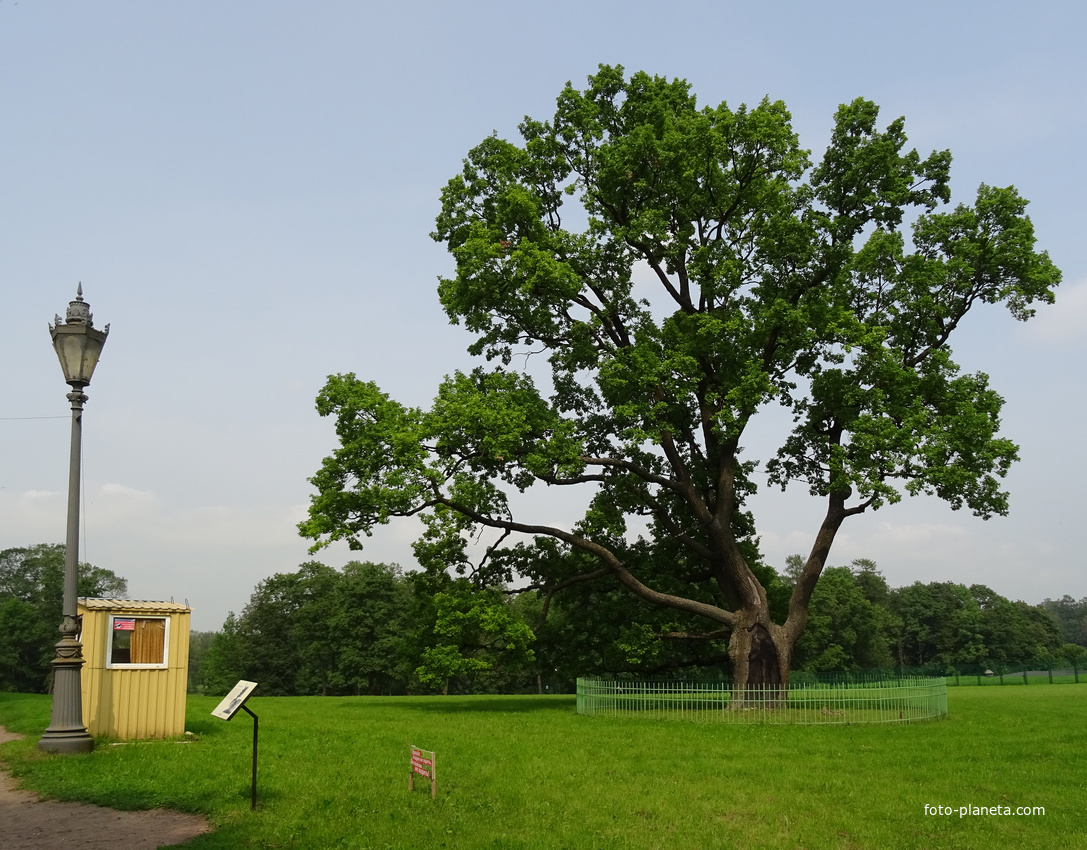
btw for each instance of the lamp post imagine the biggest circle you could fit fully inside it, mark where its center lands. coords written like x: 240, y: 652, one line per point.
x: 78, y: 346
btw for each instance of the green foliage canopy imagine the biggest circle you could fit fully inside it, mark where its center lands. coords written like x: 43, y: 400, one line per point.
x: 683, y: 269
x: 472, y: 628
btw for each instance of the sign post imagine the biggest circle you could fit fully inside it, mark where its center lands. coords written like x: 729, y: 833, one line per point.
x: 425, y: 763
x: 231, y: 704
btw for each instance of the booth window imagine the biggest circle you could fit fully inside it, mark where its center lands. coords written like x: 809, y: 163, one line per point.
x: 137, y: 642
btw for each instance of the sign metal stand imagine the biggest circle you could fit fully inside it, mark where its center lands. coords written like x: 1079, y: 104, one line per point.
x: 231, y: 704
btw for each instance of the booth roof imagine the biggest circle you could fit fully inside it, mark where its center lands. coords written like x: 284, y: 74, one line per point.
x: 92, y: 603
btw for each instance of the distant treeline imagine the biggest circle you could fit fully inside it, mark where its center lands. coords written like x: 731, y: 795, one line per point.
x: 372, y: 629
x: 858, y: 622
x: 31, y: 602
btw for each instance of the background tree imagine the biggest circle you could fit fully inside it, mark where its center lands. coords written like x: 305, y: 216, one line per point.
x: 24, y: 647
x: 941, y: 625
x: 223, y: 667
x: 31, y: 600
x: 856, y: 622
x: 371, y: 629
x: 946, y: 626
x: 1015, y: 633
x: 1074, y: 654
x: 1070, y: 616
x: 320, y: 631
x: 762, y: 281
x: 284, y: 634
x: 870, y: 581
x: 846, y: 630
x: 480, y: 642
x: 794, y: 567
x: 199, y: 644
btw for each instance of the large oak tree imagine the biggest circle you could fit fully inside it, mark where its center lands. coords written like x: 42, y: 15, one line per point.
x: 685, y: 269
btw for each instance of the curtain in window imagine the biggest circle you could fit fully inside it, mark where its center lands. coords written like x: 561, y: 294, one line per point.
x: 148, y: 639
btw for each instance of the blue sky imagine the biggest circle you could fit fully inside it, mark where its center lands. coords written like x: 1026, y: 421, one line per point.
x: 246, y: 190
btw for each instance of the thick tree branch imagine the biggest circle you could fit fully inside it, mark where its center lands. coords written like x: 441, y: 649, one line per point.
x: 714, y: 635
x: 551, y: 590
x: 637, y: 470
x: 813, y: 567
x: 666, y: 600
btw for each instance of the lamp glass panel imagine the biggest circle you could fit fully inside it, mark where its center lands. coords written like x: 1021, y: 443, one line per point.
x: 78, y: 350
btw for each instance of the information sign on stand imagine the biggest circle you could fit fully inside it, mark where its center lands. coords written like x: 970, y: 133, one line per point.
x: 234, y: 701
x: 231, y: 704
x: 425, y: 763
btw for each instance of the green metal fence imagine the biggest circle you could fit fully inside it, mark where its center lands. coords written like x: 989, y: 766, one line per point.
x: 905, y: 700
x: 1018, y: 674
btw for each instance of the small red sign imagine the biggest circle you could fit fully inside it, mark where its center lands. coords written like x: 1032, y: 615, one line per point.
x: 424, y: 763
x: 125, y: 625
x: 421, y: 765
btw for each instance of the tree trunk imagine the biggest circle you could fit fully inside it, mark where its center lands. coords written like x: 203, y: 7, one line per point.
x: 760, y: 654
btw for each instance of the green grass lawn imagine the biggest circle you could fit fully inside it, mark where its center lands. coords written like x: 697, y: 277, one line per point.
x: 527, y: 772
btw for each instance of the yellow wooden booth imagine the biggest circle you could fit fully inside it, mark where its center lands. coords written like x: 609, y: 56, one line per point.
x: 137, y: 664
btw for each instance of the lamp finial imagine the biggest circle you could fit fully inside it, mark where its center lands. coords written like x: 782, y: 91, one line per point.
x: 79, y: 311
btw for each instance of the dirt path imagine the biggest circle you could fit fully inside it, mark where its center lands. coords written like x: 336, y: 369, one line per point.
x: 29, y: 823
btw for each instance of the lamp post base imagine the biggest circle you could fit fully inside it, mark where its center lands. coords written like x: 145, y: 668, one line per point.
x: 66, y: 742
x: 66, y: 732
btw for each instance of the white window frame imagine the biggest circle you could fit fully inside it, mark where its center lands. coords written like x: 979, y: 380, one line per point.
x: 110, y: 665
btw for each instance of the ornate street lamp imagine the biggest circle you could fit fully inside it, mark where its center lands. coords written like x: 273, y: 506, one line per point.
x: 78, y: 346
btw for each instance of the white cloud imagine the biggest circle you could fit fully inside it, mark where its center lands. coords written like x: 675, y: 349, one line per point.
x: 126, y: 492
x: 777, y: 547
x: 917, y: 534
x: 1063, y: 323
x: 33, y: 516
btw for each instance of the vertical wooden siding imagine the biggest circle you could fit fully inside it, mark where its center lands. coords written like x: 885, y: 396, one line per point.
x: 132, y: 704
